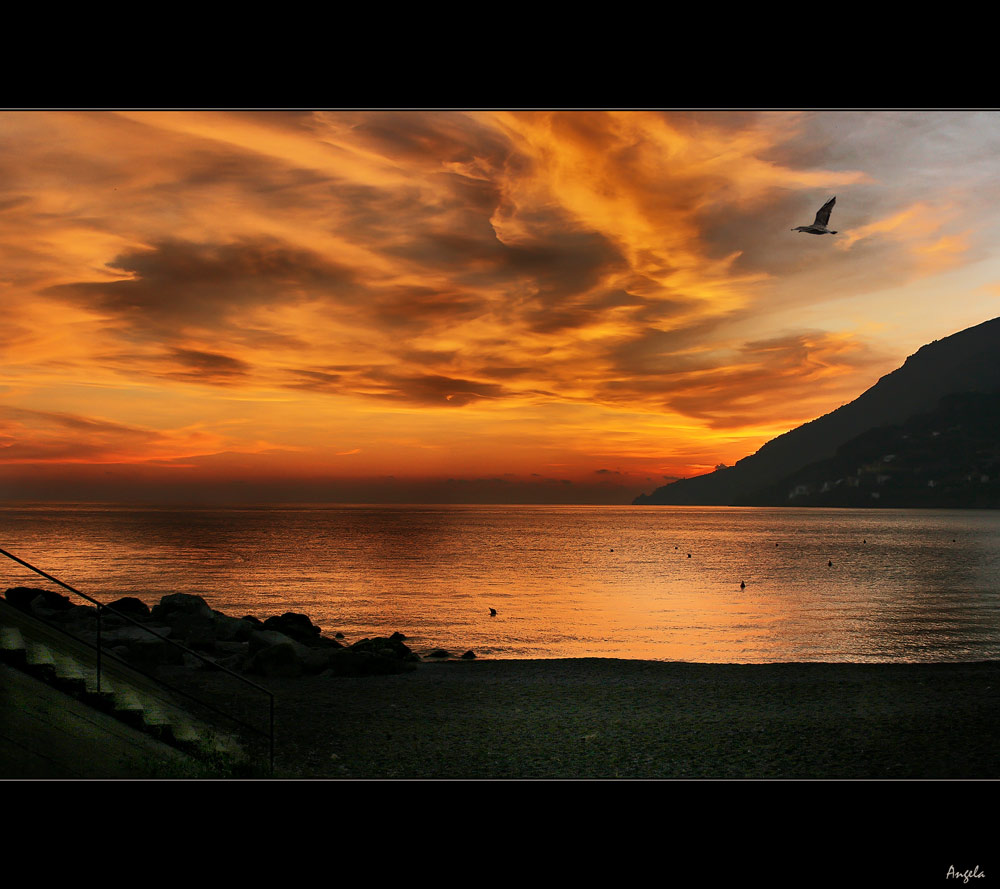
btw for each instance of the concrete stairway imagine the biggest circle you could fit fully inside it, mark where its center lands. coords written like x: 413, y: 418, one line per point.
x: 69, y: 666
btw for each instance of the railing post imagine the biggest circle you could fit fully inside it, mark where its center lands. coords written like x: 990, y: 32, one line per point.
x: 98, y: 647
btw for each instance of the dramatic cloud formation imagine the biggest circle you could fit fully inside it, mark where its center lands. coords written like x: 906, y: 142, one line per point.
x: 483, y: 304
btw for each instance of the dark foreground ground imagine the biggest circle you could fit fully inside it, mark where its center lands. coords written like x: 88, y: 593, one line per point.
x: 604, y: 718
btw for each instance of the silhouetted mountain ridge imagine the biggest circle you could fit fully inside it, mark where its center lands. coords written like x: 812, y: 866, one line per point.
x: 946, y: 458
x: 968, y: 361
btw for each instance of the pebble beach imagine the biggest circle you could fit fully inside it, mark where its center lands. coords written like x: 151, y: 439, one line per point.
x: 631, y: 719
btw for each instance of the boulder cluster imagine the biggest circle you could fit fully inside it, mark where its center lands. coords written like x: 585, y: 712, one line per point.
x: 286, y: 645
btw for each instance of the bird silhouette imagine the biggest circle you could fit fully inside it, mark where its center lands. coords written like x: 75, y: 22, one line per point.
x: 743, y: 584
x: 819, y: 226
x: 493, y: 612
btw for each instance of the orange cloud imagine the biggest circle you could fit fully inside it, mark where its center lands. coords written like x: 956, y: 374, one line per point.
x: 31, y: 436
x: 918, y: 227
x: 427, y: 292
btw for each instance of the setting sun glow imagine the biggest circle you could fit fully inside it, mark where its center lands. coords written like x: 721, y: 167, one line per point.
x: 464, y: 306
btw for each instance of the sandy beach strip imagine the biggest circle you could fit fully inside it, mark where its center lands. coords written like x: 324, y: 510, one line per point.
x: 607, y: 718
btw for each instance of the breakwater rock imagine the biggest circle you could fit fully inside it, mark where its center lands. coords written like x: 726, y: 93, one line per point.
x: 286, y: 645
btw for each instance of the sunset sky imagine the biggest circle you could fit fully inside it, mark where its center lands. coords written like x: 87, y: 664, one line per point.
x: 468, y: 306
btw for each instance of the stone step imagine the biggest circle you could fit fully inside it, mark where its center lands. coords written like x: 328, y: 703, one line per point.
x: 11, y: 639
x: 224, y: 745
x: 184, y: 731
x: 39, y: 660
x: 154, y: 715
x: 13, y: 648
x: 69, y: 674
x: 68, y: 667
x: 132, y: 704
x: 127, y: 700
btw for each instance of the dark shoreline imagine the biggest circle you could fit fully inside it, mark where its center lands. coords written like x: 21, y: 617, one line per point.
x: 604, y: 718
x: 375, y: 710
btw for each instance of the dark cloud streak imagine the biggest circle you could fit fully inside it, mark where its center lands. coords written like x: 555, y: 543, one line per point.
x: 180, y: 284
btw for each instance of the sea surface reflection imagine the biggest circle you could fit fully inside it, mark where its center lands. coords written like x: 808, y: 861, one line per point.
x: 567, y: 581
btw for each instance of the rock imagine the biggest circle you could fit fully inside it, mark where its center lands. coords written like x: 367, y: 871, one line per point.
x: 439, y: 652
x: 39, y: 608
x: 55, y: 601
x: 193, y: 662
x: 131, y: 606
x: 31, y: 598
x: 338, y: 635
x: 390, y: 647
x: 130, y: 633
x: 397, y: 637
x: 236, y: 662
x: 469, y: 655
x: 109, y: 620
x: 189, y: 626
x: 79, y: 614
x: 261, y: 639
x: 310, y: 660
x: 256, y: 621
x: 201, y: 637
x: 150, y: 653
x: 177, y: 604
x: 232, y: 629
x: 297, y: 626
x: 186, y: 614
x: 279, y: 661
x: 22, y: 596
x: 228, y: 648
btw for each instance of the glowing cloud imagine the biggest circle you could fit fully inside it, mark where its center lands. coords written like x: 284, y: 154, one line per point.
x: 470, y: 295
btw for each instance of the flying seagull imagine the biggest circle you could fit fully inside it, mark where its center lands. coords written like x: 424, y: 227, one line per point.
x: 819, y: 226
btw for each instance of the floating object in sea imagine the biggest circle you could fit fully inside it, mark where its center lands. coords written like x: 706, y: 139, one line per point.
x: 743, y: 585
x: 819, y: 226
x: 689, y: 555
x: 493, y: 612
x: 829, y: 564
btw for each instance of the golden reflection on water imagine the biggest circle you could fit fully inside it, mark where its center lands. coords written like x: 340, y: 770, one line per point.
x: 627, y: 582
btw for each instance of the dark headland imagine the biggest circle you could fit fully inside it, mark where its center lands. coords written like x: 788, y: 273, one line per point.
x: 925, y: 435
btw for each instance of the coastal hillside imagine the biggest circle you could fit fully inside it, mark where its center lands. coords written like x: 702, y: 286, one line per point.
x: 968, y: 361
x: 948, y: 458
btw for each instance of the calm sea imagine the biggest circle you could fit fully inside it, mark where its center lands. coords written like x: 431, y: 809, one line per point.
x: 566, y: 581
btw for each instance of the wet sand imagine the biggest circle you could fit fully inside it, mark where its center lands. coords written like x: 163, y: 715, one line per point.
x: 612, y: 719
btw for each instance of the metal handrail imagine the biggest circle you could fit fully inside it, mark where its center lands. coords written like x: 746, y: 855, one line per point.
x: 174, y: 642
